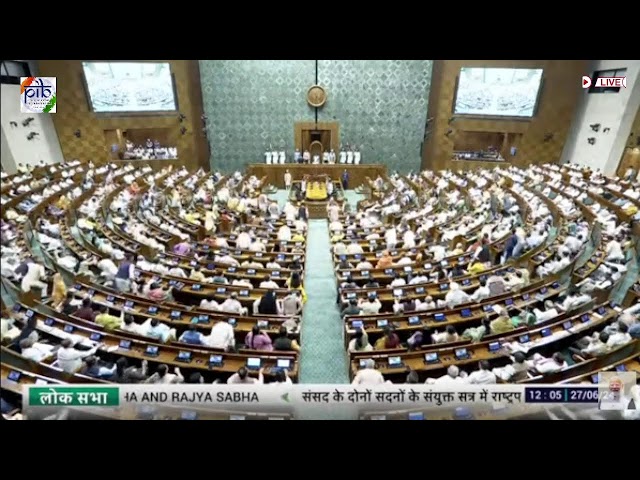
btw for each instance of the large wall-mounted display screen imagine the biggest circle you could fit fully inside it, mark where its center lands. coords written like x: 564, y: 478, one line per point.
x: 129, y: 87
x: 501, y: 92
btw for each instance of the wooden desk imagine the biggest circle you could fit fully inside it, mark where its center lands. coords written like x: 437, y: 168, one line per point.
x: 274, y: 174
x: 112, y: 347
x: 479, y: 351
x: 467, y: 165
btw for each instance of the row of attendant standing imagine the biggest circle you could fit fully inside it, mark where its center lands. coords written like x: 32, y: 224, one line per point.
x: 352, y: 157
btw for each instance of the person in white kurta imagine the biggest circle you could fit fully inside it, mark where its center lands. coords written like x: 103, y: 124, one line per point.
x: 33, y: 278
x: 334, y: 212
x: 329, y: 187
x: 343, y: 157
x: 349, y: 156
x: 283, y: 157
x: 306, y: 156
x: 356, y: 157
x: 368, y: 375
x: 267, y: 157
x: 209, y: 220
x: 287, y: 180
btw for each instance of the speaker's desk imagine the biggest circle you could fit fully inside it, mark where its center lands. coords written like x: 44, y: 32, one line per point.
x: 275, y: 173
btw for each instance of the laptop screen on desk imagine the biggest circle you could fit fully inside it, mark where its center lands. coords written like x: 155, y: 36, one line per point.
x: 151, y: 350
x: 461, y: 353
x: 254, y: 362
x: 215, y: 359
x: 431, y: 357
x: 414, y: 320
x: 283, y: 363
x: 184, y: 356
x: 395, y: 361
x: 466, y: 312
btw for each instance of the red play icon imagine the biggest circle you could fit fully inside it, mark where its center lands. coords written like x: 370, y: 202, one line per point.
x: 586, y: 82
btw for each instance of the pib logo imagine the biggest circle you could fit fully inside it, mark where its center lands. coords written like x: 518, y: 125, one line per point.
x: 38, y: 94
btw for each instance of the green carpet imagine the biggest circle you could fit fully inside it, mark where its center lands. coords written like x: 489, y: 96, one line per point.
x: 323, y: 358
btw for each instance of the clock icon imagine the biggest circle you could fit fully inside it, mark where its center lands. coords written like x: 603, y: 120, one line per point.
x: 316, y: 96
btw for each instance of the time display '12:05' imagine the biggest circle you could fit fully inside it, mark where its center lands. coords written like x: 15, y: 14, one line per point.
x: 561, y: 395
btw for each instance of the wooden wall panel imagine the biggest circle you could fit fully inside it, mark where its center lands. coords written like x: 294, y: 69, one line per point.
x: 556, y: 109
x: 74, y: 113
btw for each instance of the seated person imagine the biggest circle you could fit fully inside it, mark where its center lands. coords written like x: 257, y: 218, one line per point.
x: 483, y: 375
x: 514, y: 371
x: 159, y: 331
x: 389, y: 340
x: 192, y: 336
x: 453, y: 376
x: 94, y: 367
x: 368, y: 375
x: 35, y: 351
x: 448, y: 336
x: 420, y: 339
x: 360, y: 342
x: 475, y: 334
x: 108, y: 321
x: 544, y: 365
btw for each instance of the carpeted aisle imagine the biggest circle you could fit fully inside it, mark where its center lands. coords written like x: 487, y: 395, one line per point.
x: 323, y: 357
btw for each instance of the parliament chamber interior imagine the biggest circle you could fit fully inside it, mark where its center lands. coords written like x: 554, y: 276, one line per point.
x: 320, y: 240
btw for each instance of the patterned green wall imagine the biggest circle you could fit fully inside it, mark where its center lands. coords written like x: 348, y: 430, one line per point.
x: 381, y: 105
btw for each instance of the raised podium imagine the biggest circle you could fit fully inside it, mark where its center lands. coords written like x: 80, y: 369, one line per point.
x: 274, y: 173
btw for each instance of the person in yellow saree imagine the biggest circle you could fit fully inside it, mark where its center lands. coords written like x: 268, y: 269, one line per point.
x: 59, y: 290
x: 294, y: 282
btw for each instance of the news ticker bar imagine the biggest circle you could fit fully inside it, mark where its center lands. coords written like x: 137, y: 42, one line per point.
x: 296, y: 396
